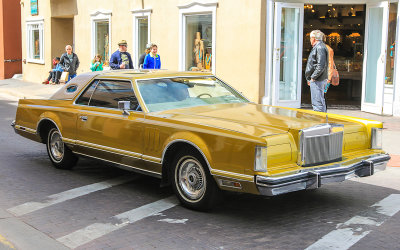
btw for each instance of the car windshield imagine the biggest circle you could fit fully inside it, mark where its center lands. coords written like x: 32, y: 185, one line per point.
x: 181, y: 92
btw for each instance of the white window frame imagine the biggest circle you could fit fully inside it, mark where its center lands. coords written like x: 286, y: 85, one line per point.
x: 139, y: 14
x: 29, y: 41
x: 100, y: 16
x: 191, y: 9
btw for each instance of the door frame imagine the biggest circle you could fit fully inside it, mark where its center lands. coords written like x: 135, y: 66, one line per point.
x: 376, y: 107
x: 276, y: 55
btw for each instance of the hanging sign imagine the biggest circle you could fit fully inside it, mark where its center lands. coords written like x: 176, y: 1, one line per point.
x: 34, y: 7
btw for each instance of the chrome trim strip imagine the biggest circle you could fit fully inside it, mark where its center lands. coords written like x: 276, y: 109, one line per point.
x: 151, y: 158
x: 114, y: 151
x: 242, y: 177
x: 108, y: 149
x: 25, y: 129
x: 314, y: 177
x: 140, y: 170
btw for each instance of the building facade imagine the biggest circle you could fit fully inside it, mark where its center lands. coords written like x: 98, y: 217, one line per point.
x: 259, y: 47
x: 10, y: 39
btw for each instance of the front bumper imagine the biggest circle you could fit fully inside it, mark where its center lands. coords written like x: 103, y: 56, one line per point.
x: 312, y: 178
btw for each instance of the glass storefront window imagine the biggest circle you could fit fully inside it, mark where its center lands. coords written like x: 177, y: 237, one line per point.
x: 102, y: 41
x: 198, y: 43
x: 143, y: 32
x: 391, y: 45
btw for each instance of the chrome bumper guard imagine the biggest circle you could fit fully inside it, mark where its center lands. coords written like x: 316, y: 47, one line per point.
x: 13, y: 125
x: 313, y: 178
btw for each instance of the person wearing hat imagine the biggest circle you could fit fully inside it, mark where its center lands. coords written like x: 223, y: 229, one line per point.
x: 121, y: 59
x: 146, y: 51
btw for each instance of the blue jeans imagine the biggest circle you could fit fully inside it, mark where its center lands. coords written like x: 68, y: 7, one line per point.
x: 70, y: 76
x: 317, y: 95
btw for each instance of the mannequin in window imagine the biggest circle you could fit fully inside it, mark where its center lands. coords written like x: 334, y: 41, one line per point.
x: 208, y: 58
x: 198, y: 51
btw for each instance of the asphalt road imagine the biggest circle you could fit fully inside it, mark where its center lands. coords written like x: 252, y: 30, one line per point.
x: 99, y: 206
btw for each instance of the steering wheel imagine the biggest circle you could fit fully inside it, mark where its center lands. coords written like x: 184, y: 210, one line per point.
x: 207, y: 94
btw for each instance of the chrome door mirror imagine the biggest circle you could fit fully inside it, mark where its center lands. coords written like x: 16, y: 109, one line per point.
x: 124, y: 106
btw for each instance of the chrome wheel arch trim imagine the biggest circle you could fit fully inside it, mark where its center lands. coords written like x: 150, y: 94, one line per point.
x: 188, y: 142
x: 49, y: 119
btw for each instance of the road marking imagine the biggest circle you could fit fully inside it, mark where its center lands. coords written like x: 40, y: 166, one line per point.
x: 97, y: 230
x: 5, y: 242
x: 30, y: 207
x: 353, y: 230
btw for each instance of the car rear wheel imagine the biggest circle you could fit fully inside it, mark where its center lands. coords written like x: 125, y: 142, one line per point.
x: 193, y: 184
x: 60, y: 155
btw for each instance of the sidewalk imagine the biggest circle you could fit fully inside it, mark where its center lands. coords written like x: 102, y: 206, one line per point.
x: 18, y: 89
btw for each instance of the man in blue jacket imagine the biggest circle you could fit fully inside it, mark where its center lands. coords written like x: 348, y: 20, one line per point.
x: 121, y: 59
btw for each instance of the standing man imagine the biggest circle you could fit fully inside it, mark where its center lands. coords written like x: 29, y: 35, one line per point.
x: 317, y: 70
x: 121, y: 59
x: 69, y: 62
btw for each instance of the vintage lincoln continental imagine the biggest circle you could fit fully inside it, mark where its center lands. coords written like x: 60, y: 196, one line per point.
x: 199, y: 135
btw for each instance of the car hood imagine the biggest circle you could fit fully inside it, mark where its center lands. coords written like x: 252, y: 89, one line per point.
x: 250, y: 118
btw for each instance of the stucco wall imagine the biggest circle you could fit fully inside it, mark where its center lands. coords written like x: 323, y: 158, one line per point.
x: 239, y: 37
x: 36, y: 72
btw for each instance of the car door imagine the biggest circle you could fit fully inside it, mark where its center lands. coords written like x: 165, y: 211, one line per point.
x: 103, y: 131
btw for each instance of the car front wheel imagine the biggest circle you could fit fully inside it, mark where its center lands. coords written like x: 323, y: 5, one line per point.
x: 193, y: 184
x: 60, y: 155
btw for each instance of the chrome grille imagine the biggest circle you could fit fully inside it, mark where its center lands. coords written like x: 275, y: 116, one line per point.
x: 321, y: 144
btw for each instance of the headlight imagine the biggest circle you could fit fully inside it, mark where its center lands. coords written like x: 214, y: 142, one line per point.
x: 260, y: 164
x: 376, y: 138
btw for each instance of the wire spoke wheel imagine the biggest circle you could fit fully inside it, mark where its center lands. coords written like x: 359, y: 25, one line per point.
x: 60, y: 155
x: 56, y: 146
x: 192, y: 180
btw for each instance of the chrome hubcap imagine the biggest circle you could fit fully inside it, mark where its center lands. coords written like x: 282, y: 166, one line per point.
x: 192, y: 180
x: 56, y: 146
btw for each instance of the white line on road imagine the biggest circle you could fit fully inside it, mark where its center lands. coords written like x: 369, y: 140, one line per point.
x: 97, y: 230
x: 30, y: 207
x: 353, y: 230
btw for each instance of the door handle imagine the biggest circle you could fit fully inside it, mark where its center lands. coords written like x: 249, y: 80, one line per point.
x: 83, y: 118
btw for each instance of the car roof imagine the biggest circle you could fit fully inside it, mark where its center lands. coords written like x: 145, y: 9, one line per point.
x: 144, y: 73
x: 81, y: 80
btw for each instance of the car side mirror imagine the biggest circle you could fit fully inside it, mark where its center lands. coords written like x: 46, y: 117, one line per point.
x: 124, y: 106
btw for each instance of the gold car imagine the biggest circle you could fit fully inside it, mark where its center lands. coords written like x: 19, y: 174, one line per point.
x: 198, y: 134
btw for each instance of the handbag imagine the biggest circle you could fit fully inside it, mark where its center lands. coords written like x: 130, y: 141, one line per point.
x: 335, y: 76
x: 64, y: 77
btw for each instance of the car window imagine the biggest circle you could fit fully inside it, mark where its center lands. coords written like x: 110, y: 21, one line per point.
x: 181, y: 92
x: 85, y: 97
x: 108, y: 93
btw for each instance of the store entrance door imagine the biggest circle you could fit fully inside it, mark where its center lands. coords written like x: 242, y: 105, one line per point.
x: 288, y: 43
x: 375, y: 57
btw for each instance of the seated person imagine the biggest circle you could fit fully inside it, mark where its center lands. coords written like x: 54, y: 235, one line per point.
x: 55, y: 73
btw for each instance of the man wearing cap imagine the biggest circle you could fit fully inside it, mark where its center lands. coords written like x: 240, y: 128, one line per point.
x: 146, y: 51
x: 121, y: 59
